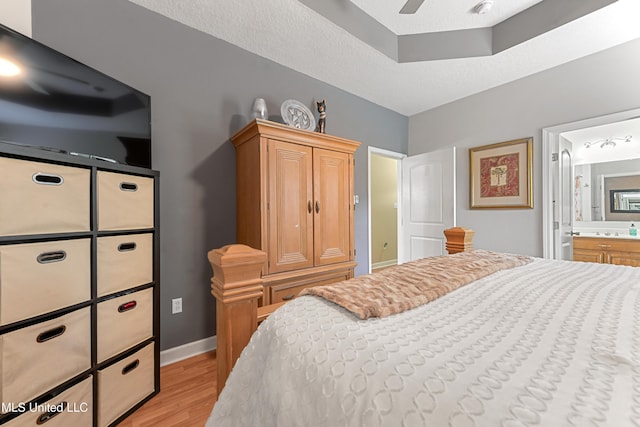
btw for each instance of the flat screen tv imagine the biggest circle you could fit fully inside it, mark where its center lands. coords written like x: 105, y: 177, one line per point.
x: 53, y: 102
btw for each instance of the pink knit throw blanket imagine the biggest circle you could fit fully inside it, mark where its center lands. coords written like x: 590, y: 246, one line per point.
x: 410, y: 285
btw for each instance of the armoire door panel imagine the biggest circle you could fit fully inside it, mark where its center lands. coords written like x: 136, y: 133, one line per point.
x: 290, y: 195
x: 332, y: 196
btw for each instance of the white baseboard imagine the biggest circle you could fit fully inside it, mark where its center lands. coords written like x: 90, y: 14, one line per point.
x: 383, y: 264
x: 185, y: 351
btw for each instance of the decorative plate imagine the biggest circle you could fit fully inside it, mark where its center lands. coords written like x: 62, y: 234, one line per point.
x: 297, y: 115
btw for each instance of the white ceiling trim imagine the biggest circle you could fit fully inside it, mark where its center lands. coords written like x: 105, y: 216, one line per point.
x: 291, y: 34
x: 439, y: 15
x: 538, y: 19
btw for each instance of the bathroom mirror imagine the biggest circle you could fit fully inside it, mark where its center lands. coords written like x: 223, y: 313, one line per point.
x: 604, y: 191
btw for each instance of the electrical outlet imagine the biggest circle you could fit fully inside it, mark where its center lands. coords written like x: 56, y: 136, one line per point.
x: 176, y: 305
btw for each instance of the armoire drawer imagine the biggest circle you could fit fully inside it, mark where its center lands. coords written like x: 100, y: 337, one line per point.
x: 125, y: 383
x: 279, y: 294
x: 36, y: 278
x: 124, y: 262
x: 288, y: 291
x: 39, y: 198
x: 124, y: 201
x: 71, y: 408
x: 37, y: 358
x: 124, y: 322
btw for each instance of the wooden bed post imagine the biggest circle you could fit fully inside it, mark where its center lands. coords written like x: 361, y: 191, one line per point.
x: 237, y: 285
x: 459, y: 239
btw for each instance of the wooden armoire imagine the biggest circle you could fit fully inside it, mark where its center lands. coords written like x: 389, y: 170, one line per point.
x: 295, y: 202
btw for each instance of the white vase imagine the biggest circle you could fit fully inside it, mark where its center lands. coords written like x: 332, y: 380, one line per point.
x: 259, y: 109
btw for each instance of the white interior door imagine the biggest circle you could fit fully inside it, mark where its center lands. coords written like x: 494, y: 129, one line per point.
x: 563, y: 221
x: 428, y: 203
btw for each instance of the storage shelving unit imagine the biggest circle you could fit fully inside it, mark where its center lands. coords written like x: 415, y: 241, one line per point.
x: 79, y: 288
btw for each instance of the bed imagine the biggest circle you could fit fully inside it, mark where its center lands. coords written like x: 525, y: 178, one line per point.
x: 543, y: 342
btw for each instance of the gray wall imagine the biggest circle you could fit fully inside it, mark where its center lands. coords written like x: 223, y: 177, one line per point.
x: 202, y: 89
x: 600, y: 84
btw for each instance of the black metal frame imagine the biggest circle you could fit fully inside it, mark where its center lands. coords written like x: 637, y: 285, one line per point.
x: 612, y: 200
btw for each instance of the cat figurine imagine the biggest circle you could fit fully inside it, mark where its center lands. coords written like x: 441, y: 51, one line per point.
x: 322, y: 118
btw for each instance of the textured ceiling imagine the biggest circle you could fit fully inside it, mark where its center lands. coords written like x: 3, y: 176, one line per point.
x: 294, y: 35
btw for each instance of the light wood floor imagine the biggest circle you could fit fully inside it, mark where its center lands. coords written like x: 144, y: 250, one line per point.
x: 187, y: 394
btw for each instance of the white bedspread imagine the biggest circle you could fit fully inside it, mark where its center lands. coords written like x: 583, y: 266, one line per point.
x: 548, y: 344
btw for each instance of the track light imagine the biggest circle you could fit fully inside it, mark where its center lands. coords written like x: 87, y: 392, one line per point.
x: 608, y: 143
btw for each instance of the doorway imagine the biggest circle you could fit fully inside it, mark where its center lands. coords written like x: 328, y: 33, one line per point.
x: 558, y: 181
x: 384, y: 211
x: 411, y: 205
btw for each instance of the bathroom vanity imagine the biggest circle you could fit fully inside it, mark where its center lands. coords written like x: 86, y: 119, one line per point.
x: 623, y: 250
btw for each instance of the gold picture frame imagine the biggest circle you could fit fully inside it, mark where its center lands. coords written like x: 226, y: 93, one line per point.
x: 501, y: 175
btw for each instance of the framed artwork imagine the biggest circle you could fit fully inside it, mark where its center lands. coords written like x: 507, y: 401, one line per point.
x: 501, y: 175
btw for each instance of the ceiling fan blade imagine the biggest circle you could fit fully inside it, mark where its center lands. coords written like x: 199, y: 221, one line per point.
x: 411, y: 6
